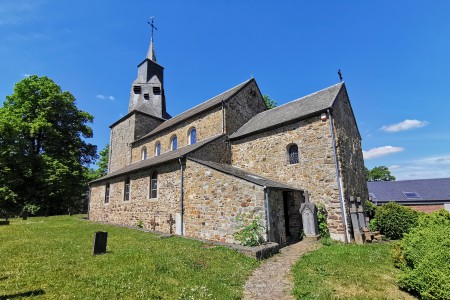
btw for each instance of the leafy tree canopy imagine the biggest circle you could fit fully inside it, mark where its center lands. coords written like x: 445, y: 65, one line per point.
x: 102, y: 165
x: 43, y: 152
x: 270, y: 103
x: 380, y: 173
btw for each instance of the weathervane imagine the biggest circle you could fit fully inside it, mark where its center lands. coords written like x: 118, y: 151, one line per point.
x: 151, y: 25
x: 340, y: 75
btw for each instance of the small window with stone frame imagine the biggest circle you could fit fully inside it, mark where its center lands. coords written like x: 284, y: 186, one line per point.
x: 192, y: 136
x: 126, y: 194
x: 293, y: 154
x: 137, y: 89
x: 107, y: 191
x: 174, y: 143
x: 154, y: 185
x: 158, y: 149
x: 144, y: 153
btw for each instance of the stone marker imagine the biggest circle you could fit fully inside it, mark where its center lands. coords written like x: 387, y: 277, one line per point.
x: 309, y: 219
x: 100, y: 240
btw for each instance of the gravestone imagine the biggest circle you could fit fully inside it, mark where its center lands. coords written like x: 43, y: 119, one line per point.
x: 309, y: 219
x: 100, y: 240
x: 171, y: 222
x: 357, y: 230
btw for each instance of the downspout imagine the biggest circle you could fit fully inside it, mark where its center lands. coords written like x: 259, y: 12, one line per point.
x: 223, y: 117
x: 336, y: 163
x: 181, y: 196
x: 266, y: 192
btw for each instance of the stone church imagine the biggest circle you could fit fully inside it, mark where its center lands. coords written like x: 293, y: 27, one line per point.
x: 228, y: 161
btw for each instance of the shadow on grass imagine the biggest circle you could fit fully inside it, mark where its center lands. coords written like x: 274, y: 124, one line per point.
x: 24, y: 294
x: 4, y: 278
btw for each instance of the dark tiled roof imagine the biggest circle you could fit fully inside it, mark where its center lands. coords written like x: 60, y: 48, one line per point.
x: 197, y: 109
x: 134, y: 112
x: 256, y: 179
x: 297, y: 109
x: 157, y: 160
x: 429, y: 190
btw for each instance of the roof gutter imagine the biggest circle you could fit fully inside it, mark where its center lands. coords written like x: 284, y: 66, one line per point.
x: 339, y: 180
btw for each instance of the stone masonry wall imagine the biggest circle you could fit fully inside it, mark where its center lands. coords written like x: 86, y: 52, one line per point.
x: 217, y: 151
x: 121, y: 138
x: 213, y: 201
x: 348, y: 146
x: 266, y: 154
x: 154, y: 213
x: 243, y: 106
x: 145, y: 124
x: 207, y: 124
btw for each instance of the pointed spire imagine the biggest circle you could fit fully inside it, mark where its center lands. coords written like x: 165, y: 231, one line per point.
x: 151, y: 51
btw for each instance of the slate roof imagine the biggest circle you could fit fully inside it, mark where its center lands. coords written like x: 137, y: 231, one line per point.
x: 197, y: 109
x: 294, y: 110
x: 157, y: 160
x: 430, y: 191
x: 135, y: 111
x: 236, y: 172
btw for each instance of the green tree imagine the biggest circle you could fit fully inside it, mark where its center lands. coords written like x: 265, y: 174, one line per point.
x: 102, y: 165
x: 380, y: 173
x: 43, y: 152
x: 270, y: 103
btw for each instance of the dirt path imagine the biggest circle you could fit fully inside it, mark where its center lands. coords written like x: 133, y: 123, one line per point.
x: 272, y: 280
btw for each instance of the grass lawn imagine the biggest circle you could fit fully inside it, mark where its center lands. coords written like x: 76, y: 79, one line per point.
x: 51, y: 258
x: 347, y: 272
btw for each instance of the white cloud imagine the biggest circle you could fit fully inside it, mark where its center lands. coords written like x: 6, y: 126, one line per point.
x: 404, y: 125
x: 394, y: 167
x: 26, y: 75
x: 103, y: 97
x: 424, y: 168
x: 381, y: 151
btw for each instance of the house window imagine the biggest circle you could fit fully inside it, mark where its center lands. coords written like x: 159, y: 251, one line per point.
x: 146, y: 96
x: 126, y: 194
x: 411, y: 194
x: 174, y: 143
x: 192, y: 136
x: 158, y: 149
x: 144, y: 153
x: 293, y: 154
x: 154, y: 185
x: 107, y: 189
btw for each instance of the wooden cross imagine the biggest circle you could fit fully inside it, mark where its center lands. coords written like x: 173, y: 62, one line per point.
x: 171, y: 221
x: 152, y: 26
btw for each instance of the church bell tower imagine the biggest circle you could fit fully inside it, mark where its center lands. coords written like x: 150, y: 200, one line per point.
x: 147, y: 91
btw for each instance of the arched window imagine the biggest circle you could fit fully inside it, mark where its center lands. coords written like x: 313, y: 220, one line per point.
x: 293, y: 154
x: 126, y: 194
x: 154, y: 185
x: 107, y: 189
x: 144, y: 153
x: 174, y: 143
x: 158, y: 149
x: 192, y: 136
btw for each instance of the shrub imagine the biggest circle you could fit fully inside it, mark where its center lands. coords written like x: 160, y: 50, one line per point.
x: 250, y: 234
x: 322, y: 217
x: 393, y: 220
x: 424, y: 256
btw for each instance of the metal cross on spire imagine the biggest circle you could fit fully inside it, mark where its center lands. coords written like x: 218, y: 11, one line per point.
x: 152, y: 25
x: 340, y: 75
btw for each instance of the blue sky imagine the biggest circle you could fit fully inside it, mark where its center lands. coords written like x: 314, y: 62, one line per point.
x: 394, y: 55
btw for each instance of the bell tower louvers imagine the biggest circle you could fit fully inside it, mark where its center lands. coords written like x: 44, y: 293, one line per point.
x: 147, y: 91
